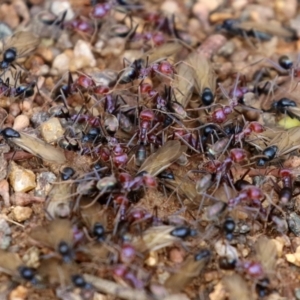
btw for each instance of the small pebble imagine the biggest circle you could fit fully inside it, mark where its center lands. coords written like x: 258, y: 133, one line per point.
x: 21, y: 179
x: 5, y: 234
x: 294, y: 223
x: 176, y: 255
x: 4, y: 191
x: 23, y: 199
x: 152, y: 259
x: 279, y: 243
x: 218, y: 293
x: 61, y: 63
x: 21, y: 122
x: 225, y: 249
x: 21, y: 213
x: 297, y: 293
x: 60, y: 6
x: 44, y: 181
x: 83, y: 56
x: 32, y: 257
x: 19, y: 293
x: 39, y: 118
x: 51, y: 130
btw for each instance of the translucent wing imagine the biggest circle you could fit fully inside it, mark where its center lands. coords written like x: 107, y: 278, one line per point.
x: 39, y: 148
x: 160, y: 53
x: 205, y: 76
x: 270, y: 28
x: 23, y: 41
x: 183, y: 83
x: 9, y: 262
x: 162, y: 158
x: 52, y: 234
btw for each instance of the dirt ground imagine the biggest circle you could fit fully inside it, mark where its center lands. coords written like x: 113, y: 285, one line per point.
x: 149, y: 149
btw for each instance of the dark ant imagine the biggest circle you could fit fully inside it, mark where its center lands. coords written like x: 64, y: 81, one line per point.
x: 286, y: 106
x: 131, y: 72
x: 67, y: 173
x: 262, y: 287
x: 285, y: 62
x: 183, y: 232
x: 269, y: 153
x: 20, y: 44
x: 25, y: 91
x: 251, y: 29
x: 29, y: 274
x: 229, y: 227
x: 241, y: 183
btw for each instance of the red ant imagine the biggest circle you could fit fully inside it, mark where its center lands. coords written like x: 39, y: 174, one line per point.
x: 249, y: 192
x: 157, y: 38
x: 222, y: 169
x: 252, y: 127
x: 286, y: 192
x: 80, y: 25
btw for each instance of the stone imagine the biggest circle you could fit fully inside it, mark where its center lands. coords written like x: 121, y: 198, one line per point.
x: 21, y: 213
x: 51, y: 130
x: 83, y: 56
x: 21, y: 122
x: 44, y: 183
x: 21, y: 179
x: 61, y: 64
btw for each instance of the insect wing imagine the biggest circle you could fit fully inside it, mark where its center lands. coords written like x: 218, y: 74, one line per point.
x: 160, y: 53
x: 273, y: 29
x: 237, y: 287
x: 39, y: 148
x: 183, y: 84
x: 9, y: 262
x: 185, y: 186
x: 266, y: 253
x: 54, y: 272
x: 55, y: 232
x: 59, y: 200
x: 92, y: 214
x: 190, y: 269
x: 204, y: 74
x: 162, y: 158
x: 23, y: 41
x: 155, y: 238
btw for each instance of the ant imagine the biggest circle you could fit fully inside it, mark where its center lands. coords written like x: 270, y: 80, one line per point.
x: 221, y: 170
x: 286, y: 192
